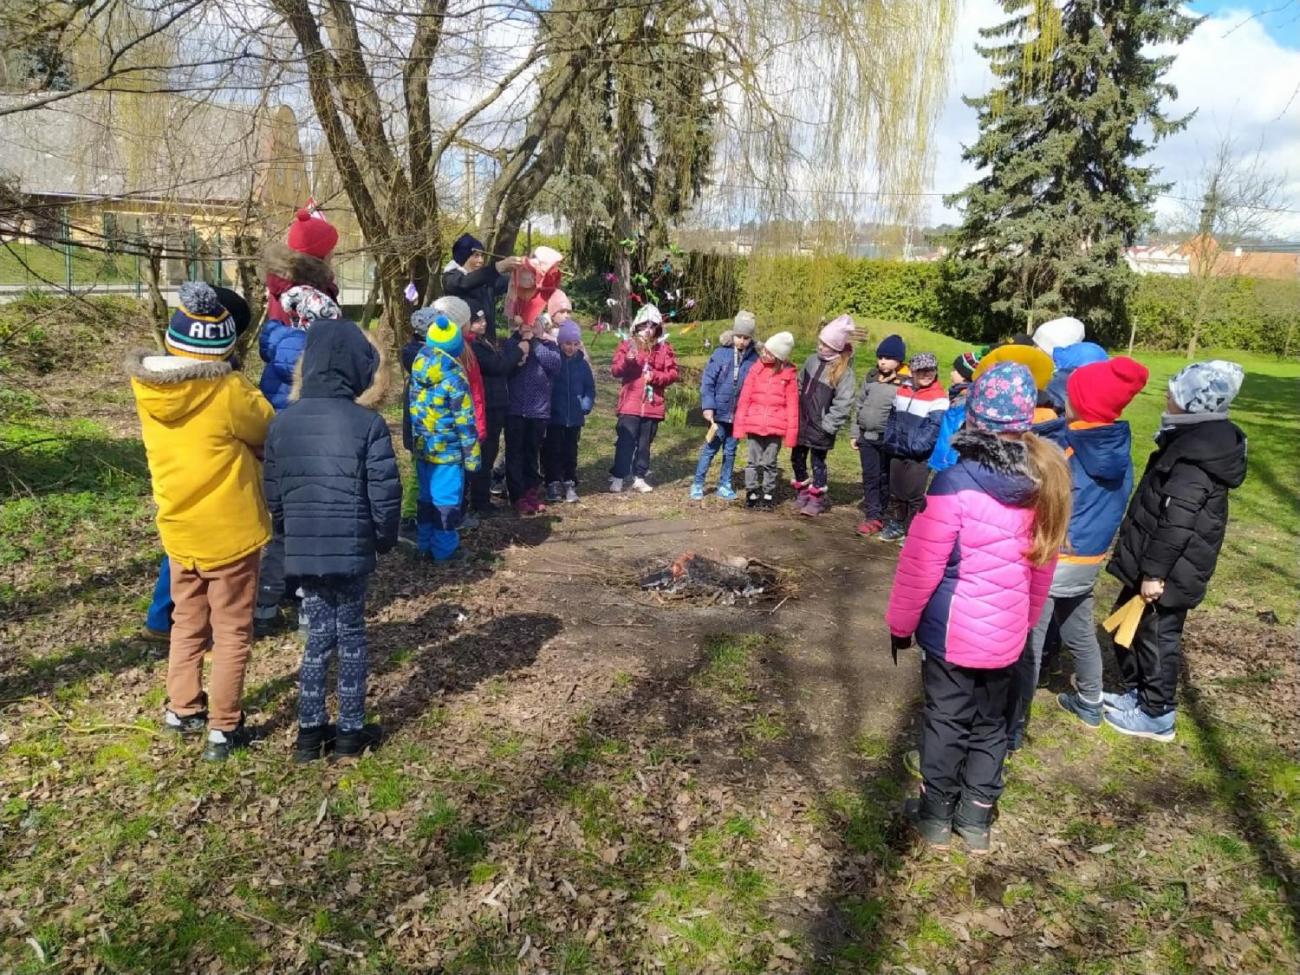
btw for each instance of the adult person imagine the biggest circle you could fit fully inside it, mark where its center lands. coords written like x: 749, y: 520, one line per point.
x: 479, y: 284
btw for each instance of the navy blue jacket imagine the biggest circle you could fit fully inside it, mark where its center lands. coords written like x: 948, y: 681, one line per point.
x: 409, y: 351
x: 573, y: 392
x: 330, y: 476
x: 496, y: 361
x: 722, y: 379
x: 913, y: 426
x: 478, y: 289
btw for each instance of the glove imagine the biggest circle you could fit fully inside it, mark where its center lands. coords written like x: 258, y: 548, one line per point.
x: 897, y: 643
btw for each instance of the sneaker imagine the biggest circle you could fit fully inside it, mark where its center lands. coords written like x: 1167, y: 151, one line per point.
x: 768, y: 503
x: 313, y: 743
x: 697, y: 491
x: 751, y: 499
x: 1120, y: 702
x: 615, y: 485
x: 149, y: 635
x: 524, y: 507
x: 534, y: 498
x: 349, y: 744
x: 974, y: 824
x: 933, y: 820
x: 893, y: 532
x: 1089, y: 714
x: 222, y: 743
x: 571, y: 492
x: 726, y: 492
x: 799, y: 487
x: 1139, y: 724
x: 554, y: 491
x: 267, y: 621
x: 191, y: 724
x: 640, y: 484
x: 497, y: 487
x: 869, y: 527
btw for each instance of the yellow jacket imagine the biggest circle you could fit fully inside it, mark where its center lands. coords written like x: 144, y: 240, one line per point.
x: 201, y: 423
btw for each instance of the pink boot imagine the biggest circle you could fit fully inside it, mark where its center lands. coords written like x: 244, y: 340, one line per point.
x: 816, y: 504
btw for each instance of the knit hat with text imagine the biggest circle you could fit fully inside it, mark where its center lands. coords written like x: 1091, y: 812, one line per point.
x: 201, y: 327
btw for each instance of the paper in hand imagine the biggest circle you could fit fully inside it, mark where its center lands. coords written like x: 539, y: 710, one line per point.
x: 713, y: 432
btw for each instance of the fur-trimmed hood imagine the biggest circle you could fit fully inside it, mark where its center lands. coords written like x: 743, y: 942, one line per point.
x: 1000, y: 466
x: 373, y: 396
x: 170, y: 387
x: 290, y: 267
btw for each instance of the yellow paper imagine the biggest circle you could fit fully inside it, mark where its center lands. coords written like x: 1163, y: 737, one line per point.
x: 713, y: 432
x: 1123, y: 623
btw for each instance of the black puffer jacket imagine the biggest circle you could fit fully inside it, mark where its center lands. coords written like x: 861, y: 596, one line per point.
x: 479, y: 289
x: 1175, y: 523
x: 330, y: 475
x: 496, y: 361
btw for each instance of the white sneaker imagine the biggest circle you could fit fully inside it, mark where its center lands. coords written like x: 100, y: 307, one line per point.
x: 615, y: 485
x: 570, y: 492
x: 640, y: 485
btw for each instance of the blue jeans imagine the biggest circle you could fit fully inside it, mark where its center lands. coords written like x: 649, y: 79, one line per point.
x: 442, y: 495
x: 725, y: 442
x: 160, y: 608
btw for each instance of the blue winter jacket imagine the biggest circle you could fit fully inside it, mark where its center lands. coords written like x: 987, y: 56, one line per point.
x: 722, y: 380
x: 954, y: 418
x: 528, y: 386
x: 1101, y: 472
x: 281, y: 347
x: 573, y: 392
x: 913, y: 426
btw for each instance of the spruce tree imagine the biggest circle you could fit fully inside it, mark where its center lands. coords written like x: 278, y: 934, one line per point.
x: 1077, y: 103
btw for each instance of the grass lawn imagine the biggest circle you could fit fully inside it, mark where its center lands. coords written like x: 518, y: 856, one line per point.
x: 25, y: 263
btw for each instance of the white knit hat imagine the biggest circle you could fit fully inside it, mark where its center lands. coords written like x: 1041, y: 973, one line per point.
x: 780, y: 345
x: 1058, y: 332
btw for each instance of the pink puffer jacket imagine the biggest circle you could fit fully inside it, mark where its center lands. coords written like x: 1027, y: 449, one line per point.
x: 963, y: 585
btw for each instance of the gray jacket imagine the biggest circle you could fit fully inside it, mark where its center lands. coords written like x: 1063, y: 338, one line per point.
x: 875, y: 399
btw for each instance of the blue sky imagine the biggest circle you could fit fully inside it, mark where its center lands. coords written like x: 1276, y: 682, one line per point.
x: 1279, y: 18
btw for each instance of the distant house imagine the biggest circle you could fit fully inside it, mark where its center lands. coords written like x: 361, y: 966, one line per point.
x: 1188, y: 257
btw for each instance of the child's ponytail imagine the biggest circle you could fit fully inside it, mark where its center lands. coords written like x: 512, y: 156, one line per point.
x: 1048, y: 467
x: 842, y: 362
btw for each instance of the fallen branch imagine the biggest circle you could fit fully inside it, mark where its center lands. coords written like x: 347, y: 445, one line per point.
x: 297, y: 935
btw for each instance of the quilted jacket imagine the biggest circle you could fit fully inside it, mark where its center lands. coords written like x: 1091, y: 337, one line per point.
x: 769, y: 403
x: 723, y: 378
x: 963, y: 585
x: 914, y: 419
x: 823, y: 409
x: 442, y: 411
x: 630, y: 367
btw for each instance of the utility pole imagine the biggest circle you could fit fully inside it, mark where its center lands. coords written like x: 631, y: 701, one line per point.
x: 471, y: 187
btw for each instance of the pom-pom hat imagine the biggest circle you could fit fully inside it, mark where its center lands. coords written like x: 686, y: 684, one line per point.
x: 312, y: 234
x: 201, y: 327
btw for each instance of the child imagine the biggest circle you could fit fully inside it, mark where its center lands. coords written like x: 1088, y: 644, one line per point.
x: 910, y: 435
x: 647, y: 366
x: 720, y: 385
x: 954, y: 418
x: 333, y: 491
x: 826, y: 385
x: 537, y: 362
x: 971, y: 581
x: 203, y: 426
x: 446, y: 441
x: 495, y: 362
x: 573, y: 394
x: 1098, y: 446
x: 1170, y: 539
x: 768, y: 414
x: 875, y: 400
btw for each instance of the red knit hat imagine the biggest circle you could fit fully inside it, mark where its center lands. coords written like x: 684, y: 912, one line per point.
x: 1099, y: 392
x: 312, y: 235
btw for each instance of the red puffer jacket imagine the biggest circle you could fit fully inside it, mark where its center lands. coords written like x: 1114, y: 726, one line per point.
x: 769, y: 403
x: 630, y: 366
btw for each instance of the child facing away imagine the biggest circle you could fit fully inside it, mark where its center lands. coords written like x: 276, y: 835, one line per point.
x: 875, y: 400
x: 446, y: 440
x: 720, y: 384
x: 1098, y: 446
x: 537, y: 362
x: 573, y: 394
x: 333, y: 491
x: 203, y: 427
x: 970, y: 583
x: 767, y: 414
x: 646, y: 365
x: 910, y: 435
x: 1170, y: 539
x: 495, y: 361
x: 826, y: 387
x: 954, y: 418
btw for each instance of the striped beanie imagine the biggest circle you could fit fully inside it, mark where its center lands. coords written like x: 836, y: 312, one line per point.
x: 201, y: 327
x: 965, y: 364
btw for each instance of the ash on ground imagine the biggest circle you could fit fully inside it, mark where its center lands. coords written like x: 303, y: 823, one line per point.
x: 692, y: 576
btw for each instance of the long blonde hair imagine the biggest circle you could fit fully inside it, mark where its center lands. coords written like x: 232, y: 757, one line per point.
x: 842, y: 363
x: 1052, y: 499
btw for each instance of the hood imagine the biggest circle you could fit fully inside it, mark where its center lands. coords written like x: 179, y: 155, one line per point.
x: 1218, y: 447
x: 279, y: 259
x: 340, y: 361
x: 1102, y: 451
x: 170, y: 387
x: 1000, y: 467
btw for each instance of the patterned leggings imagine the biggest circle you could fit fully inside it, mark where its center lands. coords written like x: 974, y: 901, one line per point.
x: 336, y: 619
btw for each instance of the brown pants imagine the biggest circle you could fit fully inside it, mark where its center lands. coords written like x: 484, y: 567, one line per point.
x: 212, y: 607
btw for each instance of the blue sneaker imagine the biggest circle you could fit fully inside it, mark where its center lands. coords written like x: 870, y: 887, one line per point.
x: 1120, y: 702
x: 726, y: 492
x: 893, y: 532
x: 1139, y: 724
x: 1089, y: 714
x: 697, y: 491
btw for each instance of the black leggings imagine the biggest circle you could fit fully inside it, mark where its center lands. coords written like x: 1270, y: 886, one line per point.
x: 799, y: 461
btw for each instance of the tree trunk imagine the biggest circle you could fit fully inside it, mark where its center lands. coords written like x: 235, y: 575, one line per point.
x: 158, y: 304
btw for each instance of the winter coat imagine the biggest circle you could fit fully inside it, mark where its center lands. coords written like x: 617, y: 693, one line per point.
x: 875, y: 400
x: 963, y: 585
x: 479, y: 289
x: 407, y: 357
x: 1175, y: 523
x: 954, y: 418
x: 202, y: 425
x: 1101, y: 477
x: 280, y: 346
x: 769, y: 404
x: 914, y: 419
x: 724, y: 375
x: 529, y: 383
x: 442, y: 411
x: 495, y: 362
x: 823, y: 409
x: 630, y: 367
x: 573, y: 393
x: 283, y: 268
x: 474, y: 376
x: 331, y: 479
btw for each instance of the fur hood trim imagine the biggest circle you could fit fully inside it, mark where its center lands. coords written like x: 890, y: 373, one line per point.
x: 171, y: 369
x: 374, y: 395
x: 283, y: 262
x: 998, y: 454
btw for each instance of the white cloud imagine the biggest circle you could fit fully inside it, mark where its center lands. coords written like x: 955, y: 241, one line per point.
x: 1237, y: 77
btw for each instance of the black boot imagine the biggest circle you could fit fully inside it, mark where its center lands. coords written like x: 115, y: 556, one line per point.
x: 973, y: 823
x: 349, y: 744
x: 751, y: 499
x: 313, y: 743
x: 932, y: 819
